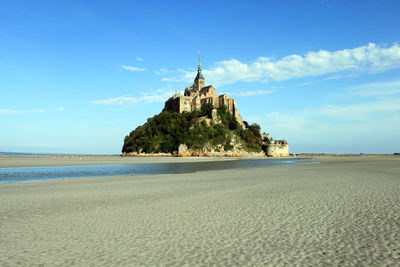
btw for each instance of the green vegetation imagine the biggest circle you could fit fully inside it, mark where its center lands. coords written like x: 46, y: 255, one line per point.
x: 166, y: 131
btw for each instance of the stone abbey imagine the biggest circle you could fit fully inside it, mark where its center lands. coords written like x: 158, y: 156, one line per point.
x: 198, y: 95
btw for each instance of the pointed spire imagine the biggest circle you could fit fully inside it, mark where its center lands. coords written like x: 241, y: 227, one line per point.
x: 199, y: 74
x: 199, y: 62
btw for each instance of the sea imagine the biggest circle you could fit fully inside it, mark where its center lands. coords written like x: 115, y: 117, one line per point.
x: 34, y: 174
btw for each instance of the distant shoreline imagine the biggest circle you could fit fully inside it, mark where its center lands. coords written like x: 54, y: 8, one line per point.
x: 10, y: 161
x: 345, y: 155
x: 170, y: 155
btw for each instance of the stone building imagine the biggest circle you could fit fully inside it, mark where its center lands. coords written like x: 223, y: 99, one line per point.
x: 275, y: 148
x: 198, y: 94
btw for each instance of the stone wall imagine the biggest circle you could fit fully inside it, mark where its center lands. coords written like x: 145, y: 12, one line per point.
x: 274, y: 148
x: 277, y: 148
x: 179, y: 103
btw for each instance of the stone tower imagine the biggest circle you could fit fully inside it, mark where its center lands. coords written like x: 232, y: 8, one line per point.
x: 199, y: 81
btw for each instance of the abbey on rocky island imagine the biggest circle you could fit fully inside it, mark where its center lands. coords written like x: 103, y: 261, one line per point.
x: 198, y: 95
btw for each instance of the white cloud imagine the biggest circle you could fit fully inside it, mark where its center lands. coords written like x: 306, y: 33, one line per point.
x: 377, y: 89
x: 371, y: 127
x: 171, y: 79
x: 130, y: 68
x: 253, y: 93
x: 13, y: 111
x: 139, y: 59
x: 121, y: 100
x: 59, y: 108
x: 162, y: 71
x: 368, y: 58
x: 358, y: 112
x: 342, y: 75
x: 10, y: 111
x: 157, y: 96
x: 371, y: 123
x: 283, y: 123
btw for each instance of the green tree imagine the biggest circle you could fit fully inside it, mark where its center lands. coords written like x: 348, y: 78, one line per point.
x: 167, y: 130
x: 206, y: 109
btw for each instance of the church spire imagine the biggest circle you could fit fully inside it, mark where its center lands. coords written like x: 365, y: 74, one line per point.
x: 199, y: 69
x: 199, y: 74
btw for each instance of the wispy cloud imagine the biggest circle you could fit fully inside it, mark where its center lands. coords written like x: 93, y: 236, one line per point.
x: 372, y: 100
x: 376, y: 89
x: 358, y: 112
x: 342, y: 75
x: 171, y: 79
x: 139, y: 59
x: 58, y: 108
x: 131, y: 68
x: 12, y: 111
x: 350, y: 114
x: 157, y: 96
x: 162, y: 71
x: 121, y: 100
x: 18, y: 111
x: 253, y: 93
x: 372, y: 126
x: 368, y: 58
x: 371, y: 116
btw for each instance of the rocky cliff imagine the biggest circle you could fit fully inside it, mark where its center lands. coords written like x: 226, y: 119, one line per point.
x: 207, y: 132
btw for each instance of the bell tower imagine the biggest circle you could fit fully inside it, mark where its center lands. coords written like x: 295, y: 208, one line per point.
x: 199, y: 80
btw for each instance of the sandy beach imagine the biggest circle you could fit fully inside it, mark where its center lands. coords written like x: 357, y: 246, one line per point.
x: 343, y: 211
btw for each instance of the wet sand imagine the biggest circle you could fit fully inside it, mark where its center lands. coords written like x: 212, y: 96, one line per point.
x: 343, y: 211
x: 69, y: 160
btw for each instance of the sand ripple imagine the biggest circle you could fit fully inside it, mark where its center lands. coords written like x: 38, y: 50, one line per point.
x: 335, y: 213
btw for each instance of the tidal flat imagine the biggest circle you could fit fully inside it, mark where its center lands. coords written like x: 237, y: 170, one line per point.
x: 343, y: 211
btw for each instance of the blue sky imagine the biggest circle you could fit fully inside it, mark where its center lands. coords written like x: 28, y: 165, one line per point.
x: 77, y: 76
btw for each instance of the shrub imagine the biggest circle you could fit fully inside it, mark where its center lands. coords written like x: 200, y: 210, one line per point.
x: 167, y: 130
x: 206, y: 109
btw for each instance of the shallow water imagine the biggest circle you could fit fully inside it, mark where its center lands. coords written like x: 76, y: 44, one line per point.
x: 30, y: 174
